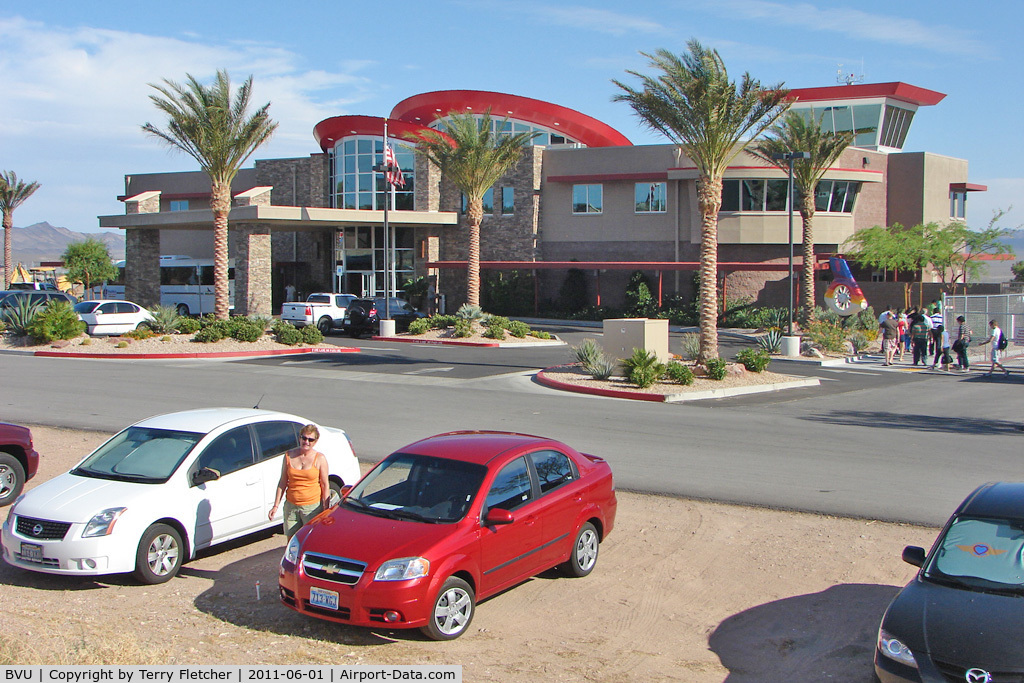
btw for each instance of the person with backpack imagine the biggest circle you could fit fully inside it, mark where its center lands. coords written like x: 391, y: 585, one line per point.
x: 920, y: 329
x: 963, y: 341
x: 998, y: 341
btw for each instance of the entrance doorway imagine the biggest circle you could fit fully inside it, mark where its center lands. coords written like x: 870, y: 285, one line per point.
x: 357, y: 282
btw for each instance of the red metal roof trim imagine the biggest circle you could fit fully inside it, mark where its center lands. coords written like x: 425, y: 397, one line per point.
x: 968, y: 187
x: 329, y: 131
x: 904, y: 92
x: 423, y: 109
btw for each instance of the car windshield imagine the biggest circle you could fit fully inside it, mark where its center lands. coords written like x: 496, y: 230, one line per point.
x: 982, y: 554
x: 139, y: 454
x: 417, y: 487
x: 86, y: 306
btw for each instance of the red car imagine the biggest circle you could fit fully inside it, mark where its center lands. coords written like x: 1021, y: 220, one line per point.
x: 18, y: 461
x: 445, y: 522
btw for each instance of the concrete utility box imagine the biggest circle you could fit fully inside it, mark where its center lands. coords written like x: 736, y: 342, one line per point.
x: 622, y: 335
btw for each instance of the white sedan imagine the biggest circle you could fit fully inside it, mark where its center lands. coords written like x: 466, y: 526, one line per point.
x: 104, y: 316
x: 158, y: 491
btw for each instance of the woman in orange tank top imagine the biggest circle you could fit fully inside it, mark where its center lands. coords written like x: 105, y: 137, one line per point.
x: 303, y: 483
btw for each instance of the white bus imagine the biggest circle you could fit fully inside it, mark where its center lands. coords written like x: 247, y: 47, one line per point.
x: 185, y: 283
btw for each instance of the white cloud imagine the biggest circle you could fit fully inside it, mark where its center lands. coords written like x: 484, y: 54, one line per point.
x: 603, y: 21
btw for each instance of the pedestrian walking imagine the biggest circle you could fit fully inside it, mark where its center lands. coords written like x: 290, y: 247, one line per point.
x: 937, y: 320
x: 890, y: 337
x: 963, y: 341
x: 995, y: 338
x: 920, y: 326
x: 942, y: 349
x: 903, y: 340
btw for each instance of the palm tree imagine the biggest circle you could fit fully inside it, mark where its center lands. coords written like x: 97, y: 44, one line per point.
x: 13, y: 193
x: 473, y: 157
x: 800, y: 133
x: 695, y: 105
x: 217, y: 131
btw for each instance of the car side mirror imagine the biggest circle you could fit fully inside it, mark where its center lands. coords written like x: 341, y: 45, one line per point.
x: 496, y: 516
x: 204, y: 475
x: 914, y: 555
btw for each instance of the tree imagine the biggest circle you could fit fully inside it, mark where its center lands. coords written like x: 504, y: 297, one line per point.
x: 1018, y: 271
x: 893, y: 248
x: 13, y: 193
x: 957, y: 251
x: 217, y: 131
x: 692, y: 102
x: 88, y: 262
x: 473, y: 157
x: 797, y: 133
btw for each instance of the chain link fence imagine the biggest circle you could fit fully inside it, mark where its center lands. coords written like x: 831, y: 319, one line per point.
x: 1006, y: 309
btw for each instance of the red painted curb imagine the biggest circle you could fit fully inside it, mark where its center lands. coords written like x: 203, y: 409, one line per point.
x: 594, y: 391
x: 200, y: 354
x: 436, y: 342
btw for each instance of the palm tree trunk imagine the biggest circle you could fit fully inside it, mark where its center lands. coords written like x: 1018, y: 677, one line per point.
x: 8, y: 256
x: 220, y: 203
x: 807, y: 276
x: 709, y: 198
x: 474, y: 216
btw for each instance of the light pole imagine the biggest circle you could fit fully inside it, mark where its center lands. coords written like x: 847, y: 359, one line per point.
x: 791, y: 157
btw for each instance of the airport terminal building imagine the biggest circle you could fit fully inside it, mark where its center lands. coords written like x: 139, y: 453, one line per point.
x: 582, y: 196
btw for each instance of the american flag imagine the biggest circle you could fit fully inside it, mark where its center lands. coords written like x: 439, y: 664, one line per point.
x: 394, y: 175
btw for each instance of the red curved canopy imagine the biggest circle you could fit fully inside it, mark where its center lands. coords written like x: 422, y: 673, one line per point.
x: 329, y: 131
x: 904, y: 92
x: 423, y: 109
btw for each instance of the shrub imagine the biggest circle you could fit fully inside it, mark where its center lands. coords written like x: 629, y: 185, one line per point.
x: 716, y: 368
x: 518, y: 329
x: 859, y: 341
x: 165, y: 338
x: 643, y: 368
x: 540, y: 334
x: 463, y: 327
x: 441, y: 322
x: 771, y: 342
x: 640, y: 302
x: 19, y: 318
x: 469, y: 312
x: 208, y: 335
x: 587, y: 353
x: 140, y: 333
x: 689, y: 344
x: 3, y: 327
x: 165, y: 319
x: 287, y: 334
x: 121, y: 345
x: 311, y: 335
x: 188, y: 325
x: 755, y: 360
x: 247, y: 329
x: 677, y: 372
x: 57, y: 320
x: 827, y: 335
x: 86, y: 342
x: 495, y: 321
x: 419, y: 326
x: 495, y: 332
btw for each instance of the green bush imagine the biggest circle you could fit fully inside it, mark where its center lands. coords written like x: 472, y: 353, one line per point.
x: 188, y: 325
x: 540, y: 334
x: 755, y: 360
x: 311, y: 335
x: 677, y: 372
x: 463, y: 327
x: 495, y: 332
x: 771, y: 342
x: 468, y: 312
x: 442, y: 322
x: 247, y: 329
x: 593, y: 360
x: 640, y: 303
x: 643, y: 368
x: 19, y: 318
x: 287, y: 334
x: 518, y: 329
x: 716, y: 368
x: 829, y: 336
x: 419, y: 326
x: 208, y: 335
x: 140, y: 333
x: 689, y: 345
x: 121, y: 345
x: 495, y: 321
x: 57, y: 320
x: 859, y: 341
x: 165, y: 319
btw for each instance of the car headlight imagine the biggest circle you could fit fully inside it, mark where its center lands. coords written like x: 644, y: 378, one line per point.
x: 403, y: 568
x: 894, y: 649
x: 102, y: 523
x: 291, y: 552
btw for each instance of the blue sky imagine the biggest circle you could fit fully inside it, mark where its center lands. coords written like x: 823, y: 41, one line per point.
x: 74, y: 93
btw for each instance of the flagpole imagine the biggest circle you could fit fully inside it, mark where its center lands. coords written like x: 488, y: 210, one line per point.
x: 387, y: 242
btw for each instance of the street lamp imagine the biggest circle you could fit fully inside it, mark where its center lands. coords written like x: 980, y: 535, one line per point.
x: 791, y: 157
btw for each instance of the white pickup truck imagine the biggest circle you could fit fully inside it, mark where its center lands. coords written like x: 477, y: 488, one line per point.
x: 323, y: 309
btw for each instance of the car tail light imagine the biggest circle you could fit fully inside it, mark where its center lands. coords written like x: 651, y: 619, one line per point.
x: 309, y: 310
x: 373, y: 311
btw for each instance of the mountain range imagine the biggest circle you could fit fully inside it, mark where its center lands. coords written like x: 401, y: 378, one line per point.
x: 41, y: 242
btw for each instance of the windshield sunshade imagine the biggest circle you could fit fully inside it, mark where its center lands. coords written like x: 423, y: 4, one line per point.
x: 140, y: 453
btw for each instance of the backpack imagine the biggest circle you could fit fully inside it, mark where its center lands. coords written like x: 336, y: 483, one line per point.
x: 1002, y: 342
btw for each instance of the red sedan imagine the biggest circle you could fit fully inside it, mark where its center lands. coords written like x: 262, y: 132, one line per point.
x: 447, y: 521
x: 18, y: 461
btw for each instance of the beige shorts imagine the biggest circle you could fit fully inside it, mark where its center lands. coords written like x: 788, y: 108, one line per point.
x: 297, y: 516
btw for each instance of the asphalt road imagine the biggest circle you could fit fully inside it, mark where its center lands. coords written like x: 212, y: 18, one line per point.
x: 872, y: 443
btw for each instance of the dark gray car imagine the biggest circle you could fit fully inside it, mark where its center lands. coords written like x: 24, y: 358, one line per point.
x: 10, y: 299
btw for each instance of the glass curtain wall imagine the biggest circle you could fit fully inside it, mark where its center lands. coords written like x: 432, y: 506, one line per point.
x: 359, y: 259
x: 356, y: 186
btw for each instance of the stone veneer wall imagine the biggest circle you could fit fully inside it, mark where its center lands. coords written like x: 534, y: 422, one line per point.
x: 251, y: 246
x: 142, y: 276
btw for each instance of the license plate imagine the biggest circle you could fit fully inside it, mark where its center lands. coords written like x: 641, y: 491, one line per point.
x: 30, y: 552
x: 318, y: 597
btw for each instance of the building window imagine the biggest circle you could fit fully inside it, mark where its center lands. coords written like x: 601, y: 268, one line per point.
x: 357, y: 186
x: 508, y: 201
x: 650, y: 197
x: 587, y: 198
x: 487, y: 202
x: 958, y: 203
x: 179, y: 205
x: 752, y: 195
x: 836, y: 196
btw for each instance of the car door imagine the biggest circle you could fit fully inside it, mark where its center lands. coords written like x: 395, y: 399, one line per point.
x: 231, y: 504
x: 511, y: 552
x: 559, y: 503
x: 126, y: 316
x: 107, y: 318
x: 273, y: 439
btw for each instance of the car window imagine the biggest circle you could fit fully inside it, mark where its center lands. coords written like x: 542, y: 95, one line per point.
x: 107, y: 308
x: 230, y: 452
x: 987, y: 549
x: 86, y: 307
x: 125, y: 307
x: 38, y: 299
x: 139, y: 454
x: 511, y: 488
x: 319, y: 299
x: 276, y: 437
x: 553, y: 469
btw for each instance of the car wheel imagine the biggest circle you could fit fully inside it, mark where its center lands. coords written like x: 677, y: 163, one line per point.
x: 142, y: 326
x: 452, y: 612
x: 335, y: 493
x: 12, y: 478
x: 159, y: 556
x: 182, y: 310
x: 584, y: 552
x: 324, y: 325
